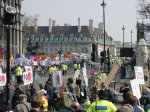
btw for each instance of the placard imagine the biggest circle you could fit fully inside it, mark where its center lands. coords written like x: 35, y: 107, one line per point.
x: 76, y: 74
x: 2, y: 79
x: 136, y: 88
x: 84, y: 71
x: 36, y: 81
x: 111, y: 74
x: 57, y: 80
x: 28, y: 75
x: 139, y: 75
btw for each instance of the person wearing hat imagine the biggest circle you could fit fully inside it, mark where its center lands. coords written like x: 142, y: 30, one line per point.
x: 102, y: 105
x: 23, y: 106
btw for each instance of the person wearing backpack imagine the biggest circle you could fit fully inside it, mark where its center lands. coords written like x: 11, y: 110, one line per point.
x: 23, y: 105
x: 65, y: 98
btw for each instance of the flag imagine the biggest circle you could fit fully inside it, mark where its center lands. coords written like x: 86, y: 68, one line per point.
x: 53, y: 56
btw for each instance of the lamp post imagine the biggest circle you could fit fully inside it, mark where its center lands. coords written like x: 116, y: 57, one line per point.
x: 123, y: 35
x: 103, y: 5
x: 131, y: 38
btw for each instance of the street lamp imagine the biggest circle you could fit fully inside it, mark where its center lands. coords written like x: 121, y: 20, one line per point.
x: 103, y: 5
x: 131, y: 38
x: 123, y: 35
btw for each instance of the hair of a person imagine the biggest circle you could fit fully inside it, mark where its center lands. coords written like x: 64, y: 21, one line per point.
x: 94, y: 88
x: 70, y: 80
x: 41, y: 86
x: 33, y: 91
x: 122, y: 110
x: 75, y: 106
x: 147, y: 99
x: 35, y: 102
x: 125, y: 83
x: 22, y: 97
x: 128, y: 94
x: 132, y: 100
x: 41, y: 92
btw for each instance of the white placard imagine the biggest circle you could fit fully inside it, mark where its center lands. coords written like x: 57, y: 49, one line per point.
x: 139, y: 74
x: 76, y: 74
x: 57, y: 80
x: 28, y: 75
x: 135, y: 88
x: 35, y: 63
x: 85, y: 76
x: 2, y: 79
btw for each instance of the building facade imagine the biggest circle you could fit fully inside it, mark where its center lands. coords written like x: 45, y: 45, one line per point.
x: 15, y: 30
x: 70, y: 39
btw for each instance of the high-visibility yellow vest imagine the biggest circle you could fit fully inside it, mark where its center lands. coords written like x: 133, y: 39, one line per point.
x: 102, y: 77
x: 64, y: 67
x: 79, y: 66
x: 89, y: 62
x: 75, y: 66
x: 55, y: 68
x: 18, y: 71
x: 51, y: 70
x: 102, y: 106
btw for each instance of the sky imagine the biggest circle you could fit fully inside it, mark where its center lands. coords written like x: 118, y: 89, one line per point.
x: 118, y: 13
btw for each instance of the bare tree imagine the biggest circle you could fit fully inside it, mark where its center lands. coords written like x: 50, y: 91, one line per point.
x: 143, y: 9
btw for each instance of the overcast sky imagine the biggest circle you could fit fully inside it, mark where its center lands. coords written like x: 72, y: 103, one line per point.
x: 118, y: 13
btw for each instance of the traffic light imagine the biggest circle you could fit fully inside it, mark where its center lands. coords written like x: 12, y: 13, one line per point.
x: 9, y: 15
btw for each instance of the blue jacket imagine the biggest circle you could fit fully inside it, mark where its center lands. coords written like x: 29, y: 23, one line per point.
x: 146, y: 107
x: 142, y: 98
x: 136, y: 108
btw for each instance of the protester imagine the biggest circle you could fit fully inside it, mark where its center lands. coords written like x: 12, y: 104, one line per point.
x: 93, y: 95
x: 44, y: 103
x: 146, y: 104
x: 71, y: 88
x: 65, y: 99
x: 124, y: 89
x: 145, y: 93
x: 102, y: 105
x: 23, y: 105
x: 35, y: 104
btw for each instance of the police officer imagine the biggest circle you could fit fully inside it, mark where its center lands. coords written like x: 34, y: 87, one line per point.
x: 51, y: 70
x: 79, y: 66
x: 75, y: 67
x: 64, y: 68
x: 19, y: 74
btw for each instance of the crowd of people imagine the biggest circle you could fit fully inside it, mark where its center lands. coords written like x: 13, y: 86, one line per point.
x: 71, y: 96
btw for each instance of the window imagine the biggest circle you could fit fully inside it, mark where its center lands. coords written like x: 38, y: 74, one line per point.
x: 56, y: 49
x: 66, y: 39
x: 84, y: 38
x: 70, y: 39
x: 46, y: 49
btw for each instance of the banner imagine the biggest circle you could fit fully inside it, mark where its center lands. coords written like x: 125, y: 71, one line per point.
x: 36, y: 82
x: 135, y: 88
x: 139, y: 74
x: 57, y: 80
x: 28, y: 75
x: 76, y: 74
x: 2, y: 79
x: 84, y: 71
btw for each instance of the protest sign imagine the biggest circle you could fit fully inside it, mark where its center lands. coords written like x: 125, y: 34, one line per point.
x: 139, y: 74
x: 2, y: 79
x: 84, y: 71
x: 111, y: 74
x: 76, y: 74
x: 135, y: 88
x: 28, y: 75
x: 35, y: 63
x: 57, y: 80
x: 147, y: 78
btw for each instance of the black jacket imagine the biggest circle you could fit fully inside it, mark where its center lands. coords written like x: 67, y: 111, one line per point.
x: 124, y: 91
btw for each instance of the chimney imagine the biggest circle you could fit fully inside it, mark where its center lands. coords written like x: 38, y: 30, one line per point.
x: 79, y: 25
x: 91, y: 24
x: 53, y: 23
x: 101, y: 26
x: 50, y: 25
x: 36, y: 25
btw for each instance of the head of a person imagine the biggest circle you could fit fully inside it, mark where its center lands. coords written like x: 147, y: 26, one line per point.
x: 22, y: 98
x: 28, y: 92
x: 33, y: 91
x: 75, y: 106
x: 122, y: 110
x: 132, y: 100
x: 41, y: 86
x: 69, y: 81
x: 62, y: 89
x: 128, y: 94
x: 40, y: 93
x: 16, y: 85
x: 78, y: 82
x: 36, y: 103
x: 93, y: 89
x: 146, y: 100
x: 145, y: 90
x: 102, y: 85
x: 102, y: 95
x: 125, y: 84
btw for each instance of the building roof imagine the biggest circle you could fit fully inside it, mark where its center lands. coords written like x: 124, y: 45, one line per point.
x: 67, y: 30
